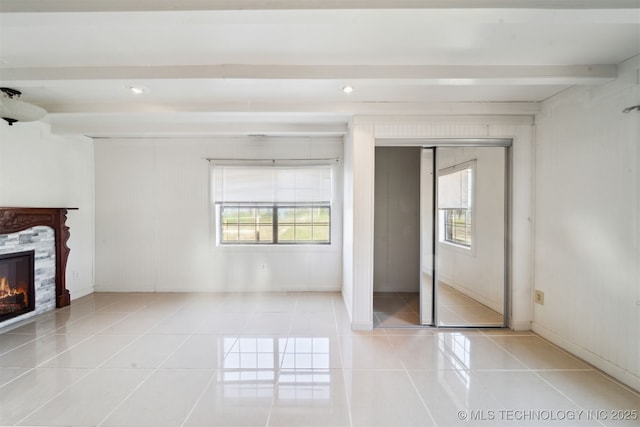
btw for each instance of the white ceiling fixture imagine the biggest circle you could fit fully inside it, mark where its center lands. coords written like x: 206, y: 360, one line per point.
x: 13, y: 110
x: 137, y: 90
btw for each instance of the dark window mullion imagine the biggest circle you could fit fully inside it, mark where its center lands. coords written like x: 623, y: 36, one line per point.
x: 275, y: 224
x: 295, y: 224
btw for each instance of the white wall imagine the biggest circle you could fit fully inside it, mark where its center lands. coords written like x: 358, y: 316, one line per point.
x: 38, y: 169
x: 478, y: 273
x: 155, y: 232
x: 587, y: 224
x: 348, y: 224
x: 358, y: 240
x: 397, y: 220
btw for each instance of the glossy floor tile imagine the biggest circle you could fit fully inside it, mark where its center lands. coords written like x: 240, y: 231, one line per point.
x: 396, y: 310
x: 458, y: 309
x: 402, y: 310
x: 286, y: 359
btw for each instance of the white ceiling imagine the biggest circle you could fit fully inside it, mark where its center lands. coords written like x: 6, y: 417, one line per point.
x: 254, y: 66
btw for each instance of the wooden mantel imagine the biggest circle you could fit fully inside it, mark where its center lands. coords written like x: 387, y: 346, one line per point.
x: 13, y: 220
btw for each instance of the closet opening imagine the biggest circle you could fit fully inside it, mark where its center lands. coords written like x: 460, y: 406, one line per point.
x: 441, y: 253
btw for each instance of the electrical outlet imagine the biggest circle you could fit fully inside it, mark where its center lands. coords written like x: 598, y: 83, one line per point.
x: 539, y: 297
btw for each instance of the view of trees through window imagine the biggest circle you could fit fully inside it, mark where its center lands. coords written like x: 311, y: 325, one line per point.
x: 275, y: 224
x: 457, y: 226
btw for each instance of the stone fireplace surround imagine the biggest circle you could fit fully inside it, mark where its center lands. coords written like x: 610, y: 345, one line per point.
x: 29, y: 224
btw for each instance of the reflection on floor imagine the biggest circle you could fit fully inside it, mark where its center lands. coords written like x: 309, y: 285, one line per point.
x: 396, y: 310
x: 457, y: 309
x: 283, y: 359
x: 402, y: 310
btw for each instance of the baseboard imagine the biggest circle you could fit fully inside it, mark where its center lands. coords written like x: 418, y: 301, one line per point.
x: 604, y: 365
x: 520, y: 325
x: 79, y: 293
x: 362, y: 326
x: 481, y: 299
x: 232, y: 289
x: 347, y: 306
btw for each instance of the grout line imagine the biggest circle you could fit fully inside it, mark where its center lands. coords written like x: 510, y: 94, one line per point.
x: 536, y: 372
x: 493, y: 338
x: 562, y: 393
x: 93, y: 335
x: 51, y: 332
x: 618, y: 383
x: 415, y: 388
x: 202, y: 393
x: 89, y: 370
x: 508, y: 352
x: 342, y: 362
x: 152, y: 371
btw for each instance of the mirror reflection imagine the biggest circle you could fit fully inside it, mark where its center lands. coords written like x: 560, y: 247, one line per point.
x: 470, y: 229
x: 440, y: 236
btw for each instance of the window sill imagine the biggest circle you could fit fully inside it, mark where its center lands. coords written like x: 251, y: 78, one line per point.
x: 466, y: 250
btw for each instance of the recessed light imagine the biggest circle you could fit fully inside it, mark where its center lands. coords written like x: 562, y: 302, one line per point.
x: 137, y: 90
x: 347, y: 89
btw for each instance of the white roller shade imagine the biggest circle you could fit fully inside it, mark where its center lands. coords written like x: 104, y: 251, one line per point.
x: 455, y: 188
x: 272, y: 184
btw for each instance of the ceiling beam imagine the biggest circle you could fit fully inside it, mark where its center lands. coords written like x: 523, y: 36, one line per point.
x: 97, y: 123
x: 305, y: 119
x: 105, y: 129
x: 426, y: 75
x: 297, y: 108
x: 35, y: 6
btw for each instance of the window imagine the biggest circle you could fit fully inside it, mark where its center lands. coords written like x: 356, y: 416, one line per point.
x: 303, y: 224
x: 246, y: 224
x: 258, y: 204
x: 457, y: 226
x: 275, y: 224
x: 455, y: 204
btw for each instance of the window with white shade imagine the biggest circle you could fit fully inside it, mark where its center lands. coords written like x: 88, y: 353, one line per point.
x: 264, y: 202
x: 455, y: 204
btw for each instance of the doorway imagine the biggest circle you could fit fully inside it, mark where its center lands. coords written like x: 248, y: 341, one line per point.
x: 452, y: 197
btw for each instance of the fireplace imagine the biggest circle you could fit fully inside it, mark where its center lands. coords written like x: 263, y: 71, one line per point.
x: 17, y: 291
x: 16, y: 220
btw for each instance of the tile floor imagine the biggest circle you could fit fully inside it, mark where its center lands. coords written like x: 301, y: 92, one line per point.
x: 457, y: 309
x: 402, y: 310
x: 284, y: 360
x: 396, y: 310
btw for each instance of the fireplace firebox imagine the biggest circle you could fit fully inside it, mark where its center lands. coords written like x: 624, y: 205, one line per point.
x: 17, y: 291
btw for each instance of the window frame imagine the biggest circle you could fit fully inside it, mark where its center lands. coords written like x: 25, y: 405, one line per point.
x: 275, y: 224
x: 220, y: 222
x: 321, y: 196
x: 450, y: 229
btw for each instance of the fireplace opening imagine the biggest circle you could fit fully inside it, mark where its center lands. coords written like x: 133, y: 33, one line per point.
x: 17, y: 292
